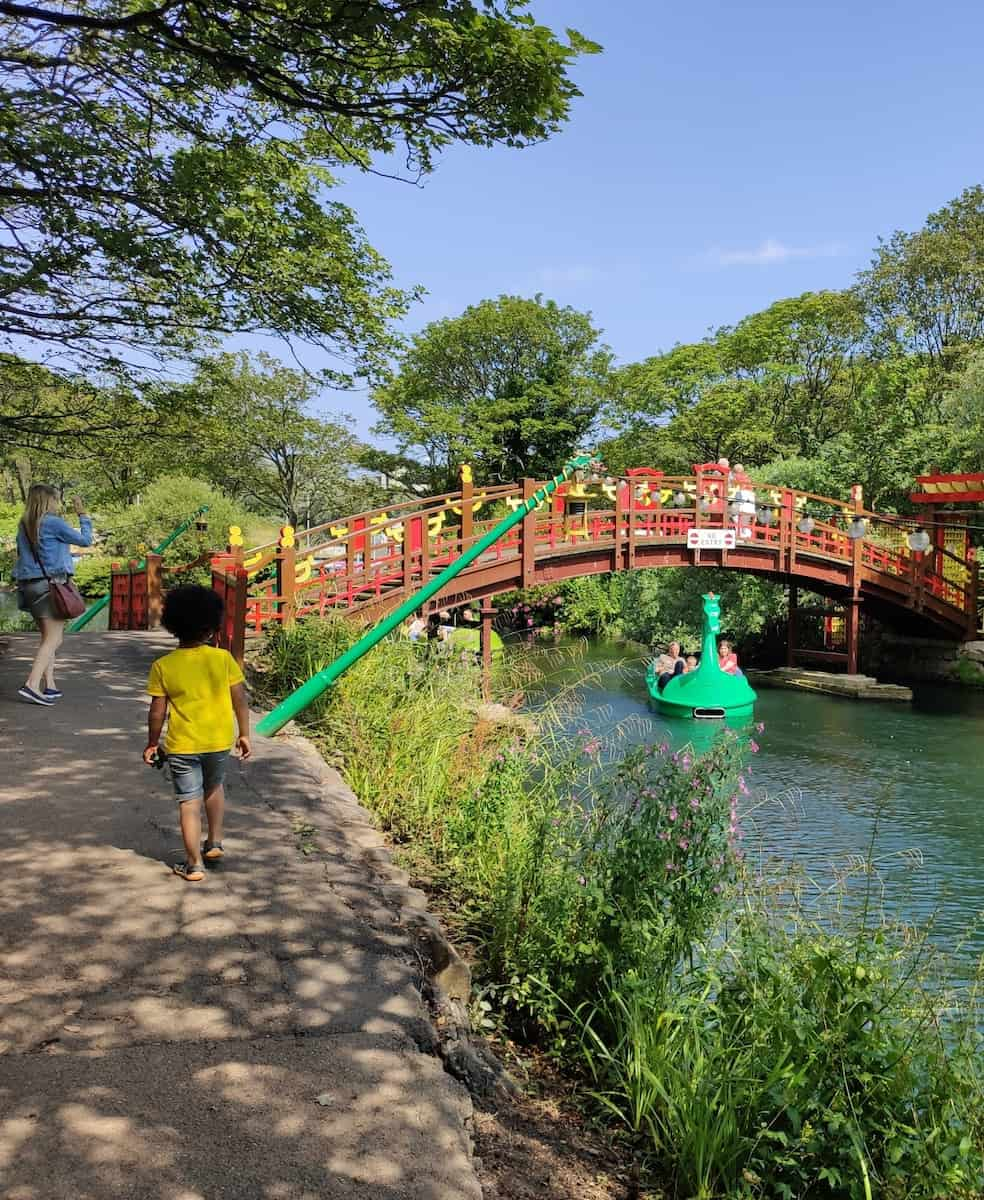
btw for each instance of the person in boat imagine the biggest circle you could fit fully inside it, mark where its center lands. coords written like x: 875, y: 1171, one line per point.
x: 727, y: 659
x: 417, y: 627
x: 690, y: 664
x: 668, y: 664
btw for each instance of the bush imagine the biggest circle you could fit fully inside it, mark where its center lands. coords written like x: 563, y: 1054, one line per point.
x: 753, y: 1048
x: 93, y: 573
x: 167, y: 502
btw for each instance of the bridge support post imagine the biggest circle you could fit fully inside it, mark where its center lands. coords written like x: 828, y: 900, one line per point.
x: 488, y: 616
x: 852, y: 623
x: 791, y: 630
x: 287, y: 577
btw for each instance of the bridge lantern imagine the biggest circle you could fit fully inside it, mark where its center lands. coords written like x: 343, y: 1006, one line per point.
x: 919, y: 541
x: 857, y: 529
x: 806, y: 524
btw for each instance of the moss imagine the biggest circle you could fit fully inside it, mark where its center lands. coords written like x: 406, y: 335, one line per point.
x: 970, y: 674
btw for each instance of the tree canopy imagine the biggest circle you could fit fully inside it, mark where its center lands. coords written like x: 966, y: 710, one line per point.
x: 511, y: 386
x: 165, y: 170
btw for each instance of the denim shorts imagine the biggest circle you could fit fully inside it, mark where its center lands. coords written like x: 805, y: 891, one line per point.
x: 193, y: 775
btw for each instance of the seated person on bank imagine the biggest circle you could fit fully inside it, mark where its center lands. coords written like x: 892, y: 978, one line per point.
x: 669, y: 664
x: 727, y: 659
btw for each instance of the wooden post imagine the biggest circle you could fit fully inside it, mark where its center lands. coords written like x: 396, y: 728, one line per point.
x: 488, y: 615
x: 467, y: 500
x: 630, y: 530
x: 791, y: 625
x: 235, y: 546
x: 619, y: 517
x: 852, y: 621
x: 155, y: 603
x: 787, y: 532
x: 287, y: 577
x: 237, y: 646
x: 973, y: 584
x: 527, y: 539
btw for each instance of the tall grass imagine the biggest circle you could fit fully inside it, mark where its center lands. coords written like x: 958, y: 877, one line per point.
x: 750, y: 1045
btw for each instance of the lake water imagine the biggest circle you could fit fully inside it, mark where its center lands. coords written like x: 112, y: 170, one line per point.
x: 832, y: 773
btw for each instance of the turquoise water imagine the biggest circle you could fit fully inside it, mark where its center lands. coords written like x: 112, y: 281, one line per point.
x: 831, y: 775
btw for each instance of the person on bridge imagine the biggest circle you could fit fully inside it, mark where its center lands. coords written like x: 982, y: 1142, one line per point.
x: 198, y: 688
x: 669, y: 664
x: 43, y: 557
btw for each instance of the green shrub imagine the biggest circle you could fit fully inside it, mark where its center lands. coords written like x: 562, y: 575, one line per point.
x: 752, y: 1048
x: 167, y: 502
x: 93, y: 574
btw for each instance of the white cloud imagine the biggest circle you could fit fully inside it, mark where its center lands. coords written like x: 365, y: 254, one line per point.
x: 769, y: 252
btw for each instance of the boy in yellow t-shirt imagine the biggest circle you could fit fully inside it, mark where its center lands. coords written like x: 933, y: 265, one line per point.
x: 197, y: 688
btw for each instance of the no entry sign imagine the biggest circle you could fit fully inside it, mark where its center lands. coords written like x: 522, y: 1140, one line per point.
x: 711, y: 539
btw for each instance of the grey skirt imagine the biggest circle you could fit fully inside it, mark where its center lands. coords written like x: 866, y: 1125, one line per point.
x: 34, y: 597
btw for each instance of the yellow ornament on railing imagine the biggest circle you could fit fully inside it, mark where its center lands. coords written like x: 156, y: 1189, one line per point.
x: 610, y: 490
x: 304, y: 569
x: 477, y: 503
x: 235, y: 535
x: 395, y: 532
x: 253, y: 561
x: 514, y: 502
x: 379, y: 519
x: 338, y: 531
x: 465, y: 472
x: 436, y: 524
x: 286, y: 537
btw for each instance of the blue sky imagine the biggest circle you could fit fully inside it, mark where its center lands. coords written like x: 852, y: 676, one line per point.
x: 722, y: 156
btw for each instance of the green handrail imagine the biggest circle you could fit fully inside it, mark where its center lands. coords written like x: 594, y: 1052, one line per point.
x: 318, y: 684
x: 98, y: 605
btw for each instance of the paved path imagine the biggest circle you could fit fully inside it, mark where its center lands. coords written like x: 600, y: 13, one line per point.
x: 257, y: 1036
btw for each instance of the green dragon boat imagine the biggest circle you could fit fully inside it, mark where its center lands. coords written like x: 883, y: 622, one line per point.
x: 708, y: 692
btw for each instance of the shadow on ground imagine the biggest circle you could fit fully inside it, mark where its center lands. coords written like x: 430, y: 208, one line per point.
x: 259, y: 1035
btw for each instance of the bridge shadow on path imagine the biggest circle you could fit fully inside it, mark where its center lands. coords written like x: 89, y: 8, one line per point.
x: 258, y: 1035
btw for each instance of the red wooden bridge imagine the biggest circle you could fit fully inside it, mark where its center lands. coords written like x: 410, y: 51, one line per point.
x: 368, y: 563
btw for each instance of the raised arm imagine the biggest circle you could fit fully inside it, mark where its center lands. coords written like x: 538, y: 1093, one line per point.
x: 68, y: 533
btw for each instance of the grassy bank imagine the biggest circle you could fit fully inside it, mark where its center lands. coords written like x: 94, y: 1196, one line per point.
x: 747, y: 1037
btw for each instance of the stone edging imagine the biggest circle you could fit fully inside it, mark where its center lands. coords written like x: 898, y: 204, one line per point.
x: 447, y: 976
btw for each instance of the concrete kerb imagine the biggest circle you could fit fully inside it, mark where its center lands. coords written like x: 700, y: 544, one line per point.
x: 396, y: 909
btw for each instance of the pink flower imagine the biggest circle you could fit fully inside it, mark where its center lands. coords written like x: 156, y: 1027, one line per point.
x: 664, y: 835
x: 717, y: 889
x: 683, y: 844
x: 753, y: 746
x: 671, y: 866
x: 695, y: 803
x: 760, y: 727
x: 673, y: 814
x: 742, y: 785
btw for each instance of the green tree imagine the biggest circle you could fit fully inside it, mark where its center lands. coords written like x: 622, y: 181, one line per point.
x: 924, y: 291
x: 264, y: 445
x: 511, y: 386
x: 165, y: 169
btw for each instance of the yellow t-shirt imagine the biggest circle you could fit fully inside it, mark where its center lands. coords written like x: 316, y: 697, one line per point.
x: 196, y: 682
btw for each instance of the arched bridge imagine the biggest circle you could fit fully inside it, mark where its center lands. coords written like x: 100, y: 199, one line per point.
x: 368, y: 563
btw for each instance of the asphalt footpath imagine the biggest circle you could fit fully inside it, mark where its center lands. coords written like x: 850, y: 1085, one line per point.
x: 256, y: 1036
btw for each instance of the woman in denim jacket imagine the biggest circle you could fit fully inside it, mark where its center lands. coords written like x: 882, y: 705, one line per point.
x: 43, y: 532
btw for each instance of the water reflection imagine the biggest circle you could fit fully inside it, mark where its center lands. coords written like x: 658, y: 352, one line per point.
x: 835, y: 778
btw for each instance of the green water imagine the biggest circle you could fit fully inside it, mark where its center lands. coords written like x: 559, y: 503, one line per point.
x: 830, y: 775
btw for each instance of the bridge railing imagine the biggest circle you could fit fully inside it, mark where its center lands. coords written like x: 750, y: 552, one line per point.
x: 385, y: 551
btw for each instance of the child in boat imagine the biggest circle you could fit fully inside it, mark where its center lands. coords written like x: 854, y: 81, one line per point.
x: 727, y: 659
x: 690, y: 664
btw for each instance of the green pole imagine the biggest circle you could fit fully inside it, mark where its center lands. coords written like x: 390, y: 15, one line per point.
x: 318, y: 684
x: 98, y: 605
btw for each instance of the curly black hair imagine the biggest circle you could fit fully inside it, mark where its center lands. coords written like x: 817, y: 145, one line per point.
x: 192, y: 613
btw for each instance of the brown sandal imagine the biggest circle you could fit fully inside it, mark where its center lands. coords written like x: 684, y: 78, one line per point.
x: 192, y: 872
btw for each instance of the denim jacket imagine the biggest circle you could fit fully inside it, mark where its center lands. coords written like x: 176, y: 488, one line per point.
x: 54, y: 538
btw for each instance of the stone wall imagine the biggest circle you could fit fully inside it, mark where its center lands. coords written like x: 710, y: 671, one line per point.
x: 891, y: 656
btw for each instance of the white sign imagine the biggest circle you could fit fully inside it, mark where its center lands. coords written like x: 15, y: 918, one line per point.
x: 711, y: 539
